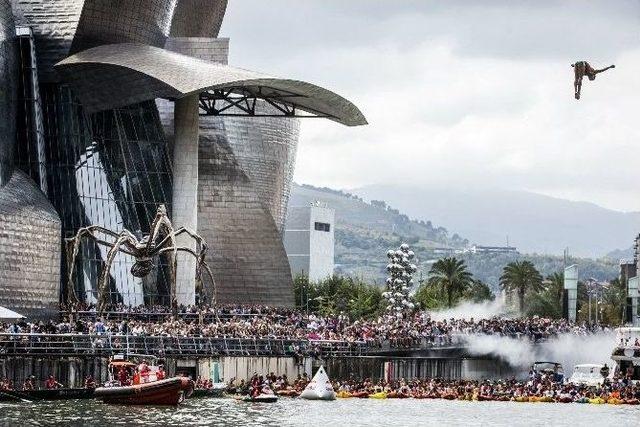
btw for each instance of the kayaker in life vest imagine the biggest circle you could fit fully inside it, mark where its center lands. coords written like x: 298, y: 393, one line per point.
x: 123, y: 377
x: 29, y: 383
x: 89, y: 382
x: 51, y: 383
x: 160, y: 375
x: 143, y: 370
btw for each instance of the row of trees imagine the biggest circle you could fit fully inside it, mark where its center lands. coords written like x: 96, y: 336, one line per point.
x: 450, y: 283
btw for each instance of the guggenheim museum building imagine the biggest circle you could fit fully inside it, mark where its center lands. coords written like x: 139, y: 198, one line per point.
x: 110, y: 108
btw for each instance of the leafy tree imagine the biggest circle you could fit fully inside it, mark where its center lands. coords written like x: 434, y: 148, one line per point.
x: 451, y: 276
x: 547, y: 302
x: 521, y: 278
x: 478, y: 291
x: 338, y: 294
x: 430, y: 297
x: 613, y: 303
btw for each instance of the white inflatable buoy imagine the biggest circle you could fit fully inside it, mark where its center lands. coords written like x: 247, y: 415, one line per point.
x: 319, y: 388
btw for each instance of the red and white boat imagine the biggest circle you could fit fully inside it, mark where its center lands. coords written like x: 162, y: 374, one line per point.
x: 132, y: 384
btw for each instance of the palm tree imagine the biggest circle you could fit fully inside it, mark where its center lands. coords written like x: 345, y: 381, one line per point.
x: 555, y: 285
x: 450, y: 274
x: 521, y: 277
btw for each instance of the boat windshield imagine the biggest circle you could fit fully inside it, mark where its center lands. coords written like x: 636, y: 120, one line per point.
x: 548, y: 367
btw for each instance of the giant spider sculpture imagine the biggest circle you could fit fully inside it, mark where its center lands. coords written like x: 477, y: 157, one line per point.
x: 160, y: 241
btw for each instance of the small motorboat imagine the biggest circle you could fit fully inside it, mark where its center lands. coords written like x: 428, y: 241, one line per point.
x: 170, y: 391
x: 261, y: 398
x: 319, y: 388
x: 289, y: 392
x: 131, y: 384
x: 266, y: 395
x: 216, y: 390
x: 54, y: 394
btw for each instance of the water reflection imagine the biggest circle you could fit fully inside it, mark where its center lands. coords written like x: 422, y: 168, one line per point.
x: 295, y: 412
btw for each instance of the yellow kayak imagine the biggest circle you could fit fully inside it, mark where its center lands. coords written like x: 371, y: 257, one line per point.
x: 379, y: 395
x: 344, y: 394
x: 614, y: 401
x: 521, y: 399
x: 597, y: 401
x: 546, y: 399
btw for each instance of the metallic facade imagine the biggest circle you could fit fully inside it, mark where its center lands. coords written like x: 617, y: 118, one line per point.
x: 123, y: 21
x: 54, y: 24
x: 30, y: 227
x: 265, y: 149
x: 92, y: 75
x: 198, y: 18
x: 248, y: 257
x: 113, y: 75
x: 29, y: 249
x: 251, y: 161
x: 8, y: 95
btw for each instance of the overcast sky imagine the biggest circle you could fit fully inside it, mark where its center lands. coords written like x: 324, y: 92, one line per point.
x: 460, y: 93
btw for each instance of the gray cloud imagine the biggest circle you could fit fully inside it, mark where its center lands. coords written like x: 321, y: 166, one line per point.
x: 459, y: 93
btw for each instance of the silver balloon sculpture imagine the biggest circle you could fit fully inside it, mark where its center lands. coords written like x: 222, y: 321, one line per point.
x: 400, y: 281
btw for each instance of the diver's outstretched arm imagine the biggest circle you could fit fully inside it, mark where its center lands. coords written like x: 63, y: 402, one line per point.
x: 603, y: 69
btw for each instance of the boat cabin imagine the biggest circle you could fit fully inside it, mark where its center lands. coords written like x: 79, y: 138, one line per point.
x: 549, y: 368
x: 626, y: 353
x: 589, y: 374
x: 123, y: 372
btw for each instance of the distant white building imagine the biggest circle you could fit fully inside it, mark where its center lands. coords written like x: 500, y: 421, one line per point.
x: 309, y: 240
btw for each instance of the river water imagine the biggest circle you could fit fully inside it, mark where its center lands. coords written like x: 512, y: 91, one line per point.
x: 342, y: 412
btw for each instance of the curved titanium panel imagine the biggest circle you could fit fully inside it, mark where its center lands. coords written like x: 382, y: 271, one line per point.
x: 247, y: 255
x: 8, y: 92
x: 109, y: 76
x: 123, y: 21
x: 265, y: 148
x: 54, y: 24
x: 29, y: 249
x: 198, y: 18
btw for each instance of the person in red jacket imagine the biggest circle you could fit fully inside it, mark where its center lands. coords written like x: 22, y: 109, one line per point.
x: 160, y: 375
x: 51, y: 383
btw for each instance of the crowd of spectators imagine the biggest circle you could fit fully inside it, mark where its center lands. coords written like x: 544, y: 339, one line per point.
x: 235, y: 321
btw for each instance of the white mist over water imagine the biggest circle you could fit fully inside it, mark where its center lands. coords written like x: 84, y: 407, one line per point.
x: 568, y: 349
x: 467, y: 310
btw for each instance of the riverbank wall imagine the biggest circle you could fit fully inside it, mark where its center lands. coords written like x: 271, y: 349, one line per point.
x: 72, y: 371
x: 383, y: 367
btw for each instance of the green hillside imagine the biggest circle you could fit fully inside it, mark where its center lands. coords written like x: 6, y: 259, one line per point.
x: 365, y: 231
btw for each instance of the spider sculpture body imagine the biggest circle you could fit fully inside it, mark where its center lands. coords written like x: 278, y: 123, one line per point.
x: 160, y: 241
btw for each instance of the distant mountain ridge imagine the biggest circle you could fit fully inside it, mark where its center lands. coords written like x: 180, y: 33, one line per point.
x: 366, y: 230
x: 532, y: 222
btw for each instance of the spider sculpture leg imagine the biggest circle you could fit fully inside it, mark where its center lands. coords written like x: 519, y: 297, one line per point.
x: 103, y: 285
x: 201, y: 247
x: 200, y: 264
x: 73, y: 247
x: 162, y: 223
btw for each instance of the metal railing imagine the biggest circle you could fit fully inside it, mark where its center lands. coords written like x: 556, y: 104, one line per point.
x: 206, y: 317
x: 192, y: 346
